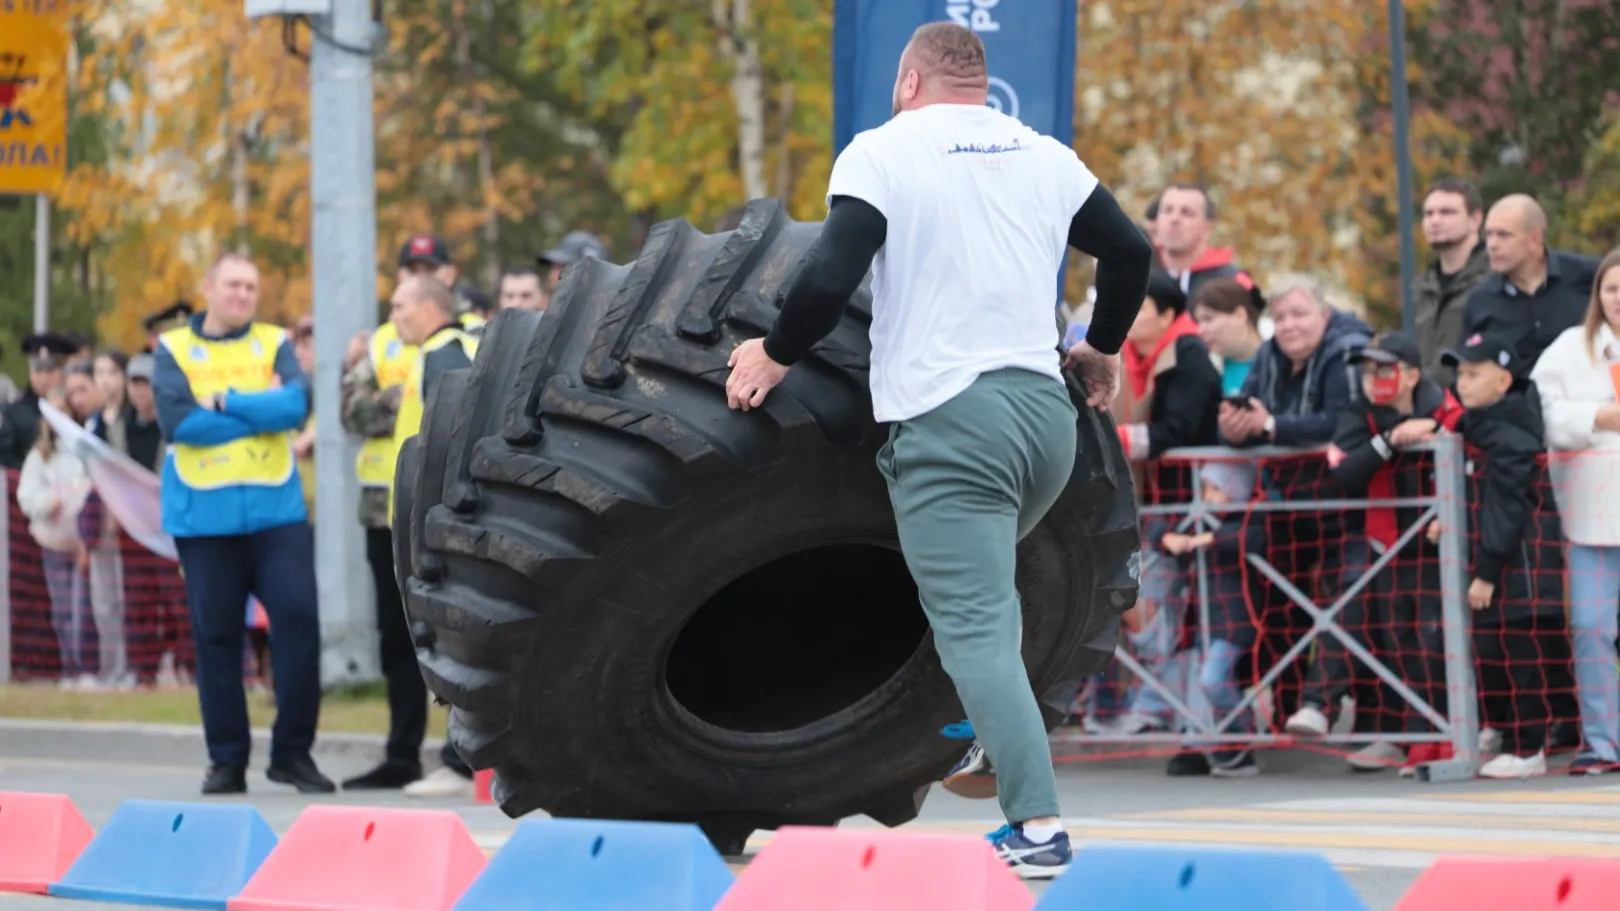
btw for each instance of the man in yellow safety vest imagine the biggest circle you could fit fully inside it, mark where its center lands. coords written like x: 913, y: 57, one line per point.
x: 230, y: 397
x: 423, y: 310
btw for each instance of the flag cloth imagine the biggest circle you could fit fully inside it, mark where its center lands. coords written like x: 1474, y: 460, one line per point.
x: 129, y: 489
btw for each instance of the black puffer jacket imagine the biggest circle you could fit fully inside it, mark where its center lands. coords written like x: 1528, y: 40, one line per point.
x: 1514, y: 532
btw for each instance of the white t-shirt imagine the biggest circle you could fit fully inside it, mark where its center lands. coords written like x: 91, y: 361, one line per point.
x: 978, y: 208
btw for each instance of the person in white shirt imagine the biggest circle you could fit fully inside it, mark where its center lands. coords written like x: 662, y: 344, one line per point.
x: 964, y: 215
x: 1578, y: 401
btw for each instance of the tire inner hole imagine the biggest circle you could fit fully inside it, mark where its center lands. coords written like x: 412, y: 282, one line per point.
x: 798, y: 639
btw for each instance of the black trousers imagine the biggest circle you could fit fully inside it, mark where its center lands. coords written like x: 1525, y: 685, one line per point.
x: 276, y: 565
x: 1523, y: 671
x: 407, y: 691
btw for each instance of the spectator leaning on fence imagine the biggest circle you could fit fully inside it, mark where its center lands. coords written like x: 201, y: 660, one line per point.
x: 1399, y: 407
x: 230, y: 397
x: 1577, y: 381
x: 1536, y: 292
x: 1452, y: 214
x: 1300, y: 383
x: 1167, y: 401
x: 1516, y: 578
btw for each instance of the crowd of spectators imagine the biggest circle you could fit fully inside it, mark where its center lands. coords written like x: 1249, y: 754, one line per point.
x: 1515, y: 352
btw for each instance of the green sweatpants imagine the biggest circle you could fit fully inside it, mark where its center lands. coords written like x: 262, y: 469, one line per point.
x: 969, y: 480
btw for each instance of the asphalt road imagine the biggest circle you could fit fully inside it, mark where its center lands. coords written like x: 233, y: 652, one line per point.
x: 1380, y: 831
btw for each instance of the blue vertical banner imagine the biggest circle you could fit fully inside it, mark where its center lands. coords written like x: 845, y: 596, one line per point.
x: 1029, y: 45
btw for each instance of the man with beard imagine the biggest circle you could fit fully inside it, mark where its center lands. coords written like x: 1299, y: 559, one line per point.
x: 1452, y: 215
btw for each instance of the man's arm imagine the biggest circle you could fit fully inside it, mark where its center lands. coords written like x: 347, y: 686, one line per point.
x: 365, y: 410
x: 180, y: 417
x: 274, y: 410
x: 833, y: 269
x: 1102, y: 230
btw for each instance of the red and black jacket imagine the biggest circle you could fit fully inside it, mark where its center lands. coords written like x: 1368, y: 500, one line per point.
x: 1365, y: 465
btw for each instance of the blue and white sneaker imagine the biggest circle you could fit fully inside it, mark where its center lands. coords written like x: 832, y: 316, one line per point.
x: 974, y: 777
x: 1028, y: 859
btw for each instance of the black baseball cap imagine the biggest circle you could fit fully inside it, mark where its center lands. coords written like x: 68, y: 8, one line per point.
x: 575, y: 246
x: 425, y: 248
x: 1390, y: 348
x: 1481, y: 348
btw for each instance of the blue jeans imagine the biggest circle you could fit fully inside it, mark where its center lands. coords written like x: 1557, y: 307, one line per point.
x: 1154, y: 645
x: 70, y: 608
x: 1218, y: 679
x: 1594, y: 620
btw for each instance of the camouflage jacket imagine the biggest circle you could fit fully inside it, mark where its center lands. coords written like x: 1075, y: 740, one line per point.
x: 370, y: 414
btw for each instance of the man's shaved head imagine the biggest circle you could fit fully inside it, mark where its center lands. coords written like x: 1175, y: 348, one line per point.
x: 1516, y: 236
x: 943, y: 62
x: 426, y: 289
x: 1532, y: 217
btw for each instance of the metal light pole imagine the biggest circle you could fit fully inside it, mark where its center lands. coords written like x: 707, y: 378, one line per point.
x: 1403, y: 158
x: 344, y: 260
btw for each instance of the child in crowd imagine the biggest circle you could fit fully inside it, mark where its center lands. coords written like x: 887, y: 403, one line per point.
x: 51, y: 492
x: 1516, y: 587
x: 1400, y: 617
x: 1225, y: 538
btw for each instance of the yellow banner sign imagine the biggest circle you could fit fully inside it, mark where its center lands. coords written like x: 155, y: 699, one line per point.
x: 33, y: 95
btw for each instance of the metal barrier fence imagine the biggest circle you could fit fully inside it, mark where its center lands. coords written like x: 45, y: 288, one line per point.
x: 1457, y: 723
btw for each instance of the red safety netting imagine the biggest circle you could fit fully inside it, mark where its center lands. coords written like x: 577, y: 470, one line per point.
x: 1210, y: 634
x: 110, y: 616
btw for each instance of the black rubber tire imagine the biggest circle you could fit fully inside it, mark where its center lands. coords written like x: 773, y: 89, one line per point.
x: 597, y: 492
x: 419, y: 486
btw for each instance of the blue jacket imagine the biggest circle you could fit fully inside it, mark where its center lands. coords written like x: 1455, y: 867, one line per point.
x: 242, y: 510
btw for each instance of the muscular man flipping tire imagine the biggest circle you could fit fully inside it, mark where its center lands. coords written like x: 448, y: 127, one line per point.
x: 965, y: 215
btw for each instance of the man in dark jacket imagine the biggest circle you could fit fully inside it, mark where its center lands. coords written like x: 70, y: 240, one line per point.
x: 1536, y: 292
x: 1399, y: 407
x: 1452, y: 214
x: 1516, y: 587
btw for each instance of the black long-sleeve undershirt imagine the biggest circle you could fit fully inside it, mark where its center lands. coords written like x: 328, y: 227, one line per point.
x: 854, y: 232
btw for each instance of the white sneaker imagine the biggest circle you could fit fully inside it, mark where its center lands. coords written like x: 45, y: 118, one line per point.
x: 1138, y: 723
x: 1308, y: 722
x: 1508, y: 765
x: 1376, y: 757
x: 442, y: 782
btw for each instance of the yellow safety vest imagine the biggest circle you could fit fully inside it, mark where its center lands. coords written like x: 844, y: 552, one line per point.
x: 244, y: 364
x: 471, y: 321
x: 409, y: 420
x: 391, y: 360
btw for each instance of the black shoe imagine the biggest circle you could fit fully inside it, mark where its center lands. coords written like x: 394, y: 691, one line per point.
x: 1187, y: 765
x: 225, y: 779
x: 301, y: 774
x: 1233, y: 763
x: 391, y: 775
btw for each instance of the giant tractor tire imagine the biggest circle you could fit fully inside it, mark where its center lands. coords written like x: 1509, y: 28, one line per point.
x: 641, y: 604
